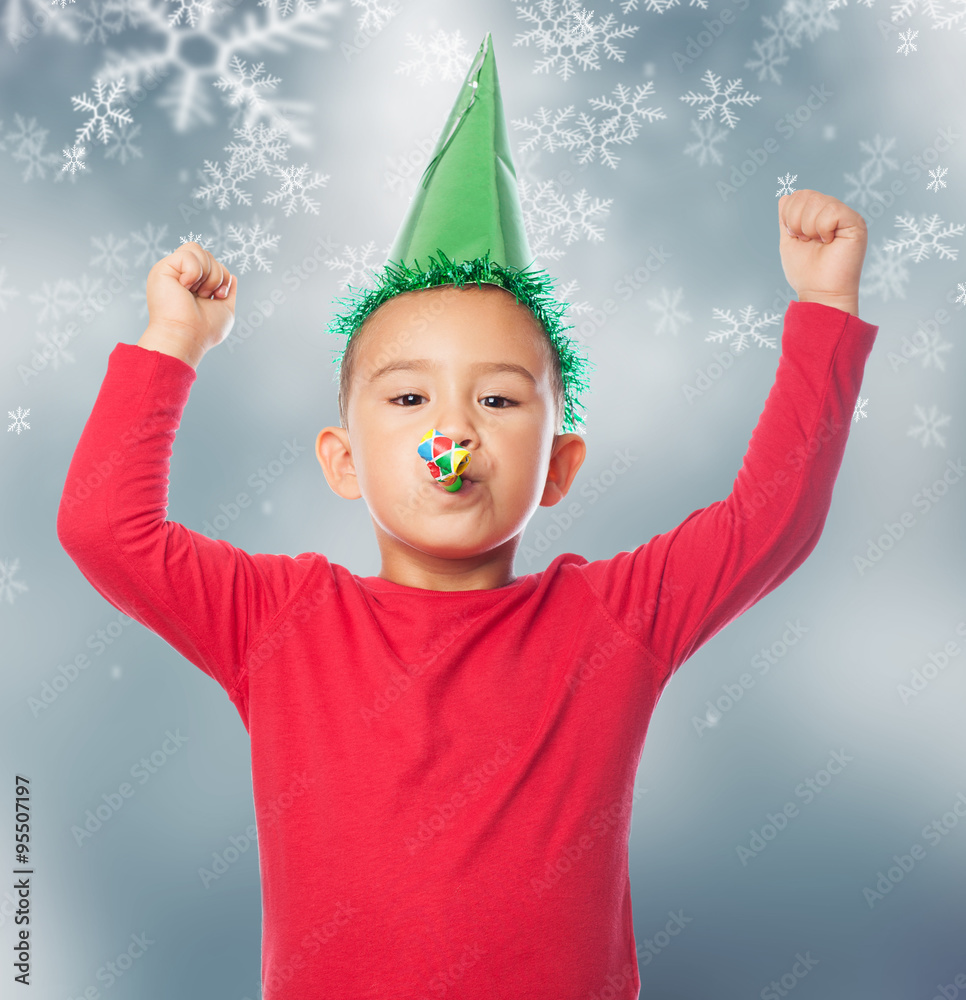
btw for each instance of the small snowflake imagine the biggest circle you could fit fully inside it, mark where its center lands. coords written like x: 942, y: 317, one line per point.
x: 927, y: 426
x: 356, y: 264
x: 859, y: 412
x: 19, y: 420
x: 581, y: 25
x: 786, y: 184
x: 74, y: 158
x: 443, y: 57
x: 708, y: 136
x: 245, y: 86
x: 8, y: 585
x: 123, y: 145
x: 294, y: 187
x: 937, y: 179
x: 111, y: 258
x: 102, y: 110
x: 101, y: 20
x: 929, y: 346
x: 29, y: 143
x: 962, y: 292
x: 728, y: 96
x: 151, y: 248
x: 906, y: 47
x: 919, y: 246
x: 885, y: 274
x: 251, y: 243
x: 668, y: 308
x: 741, y: 330
x: 258, y: 144
x: 225, y: 181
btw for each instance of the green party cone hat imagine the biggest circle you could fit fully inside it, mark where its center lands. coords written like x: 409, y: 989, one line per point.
x: 466, y: 223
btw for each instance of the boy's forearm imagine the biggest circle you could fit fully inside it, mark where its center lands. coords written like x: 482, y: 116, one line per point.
x: 171, y: 342
x: 847, y: 303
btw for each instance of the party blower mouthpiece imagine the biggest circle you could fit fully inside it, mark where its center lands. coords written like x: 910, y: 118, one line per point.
x: 444, y: 459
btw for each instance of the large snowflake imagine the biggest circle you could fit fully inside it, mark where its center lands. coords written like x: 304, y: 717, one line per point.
x: 552, y: 33
x: 356, y: 265
x: 884, y: 274
x: 443, y: 57
x: 720, y: 99
x: 739, y: 330
x: 547, y: 211
x: 924, y: 237
x: 196, y: 56
x: 708, y: 135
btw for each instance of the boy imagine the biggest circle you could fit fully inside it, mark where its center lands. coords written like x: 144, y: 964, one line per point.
x: 443, y: 755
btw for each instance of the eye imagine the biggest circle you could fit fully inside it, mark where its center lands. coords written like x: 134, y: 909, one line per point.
x: 407, y: 395
x: 509, y: 403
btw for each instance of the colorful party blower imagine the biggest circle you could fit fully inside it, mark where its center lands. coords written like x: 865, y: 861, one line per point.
x: 445, y: 460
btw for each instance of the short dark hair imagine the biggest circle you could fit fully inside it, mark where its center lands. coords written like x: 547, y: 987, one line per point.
x: 348, y: 360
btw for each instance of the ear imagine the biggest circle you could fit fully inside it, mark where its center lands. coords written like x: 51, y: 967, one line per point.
x: 334, y: 452
x: 569, y: 452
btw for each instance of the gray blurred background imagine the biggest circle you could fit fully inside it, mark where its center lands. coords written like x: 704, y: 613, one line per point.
x: 835, y: 100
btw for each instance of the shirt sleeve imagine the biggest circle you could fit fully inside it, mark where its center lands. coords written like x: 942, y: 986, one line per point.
x: 203, y: 596
x: 679, y: 589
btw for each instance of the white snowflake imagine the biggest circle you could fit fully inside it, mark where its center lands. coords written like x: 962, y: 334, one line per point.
x: 19, y: 420
x: 101, y: 20
x: 258, y: 145
x: 186, y: 94
x: 708, y: 136
x: 251, y: 242
x: 74, y: 158
x: 872, y: 170
x: 772, y: 50
x: 564, y: 50
x: 111, y: 257
x: 786, y: 184
x: 929, y: 346
x: 151, y: 248
x: 443, y: 57
x: 188, y: 10
x: 29, y: 148
x: 927, y: 426
x: 937, y: 179
x: 355, y: 262
x: 10, y: 293
x: 671, y: 315
x: 859, y: 412
x: 906, y: 47
x: 811, y: 17
x: 376, y: 15
x: 565, y: 293
x: 962, y: 292
x: 246, y: 86
x: 9, y: 587
x: 885, y: 274
x: 123, y: 145
x: 728, y: 96
x: 295, y: 186
x: 101, y: 109
x: 919, y: 246
x: 548, y: 129
x: 225, y: 183
x: 935, y: 10
x: 741, y: 329
x: 547, y: 211
x: 62, y: 298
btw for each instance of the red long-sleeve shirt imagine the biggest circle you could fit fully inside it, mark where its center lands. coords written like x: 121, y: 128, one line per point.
x: 443, y: 781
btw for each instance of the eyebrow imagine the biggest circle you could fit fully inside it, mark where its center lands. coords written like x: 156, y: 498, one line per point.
x: 426, y: 365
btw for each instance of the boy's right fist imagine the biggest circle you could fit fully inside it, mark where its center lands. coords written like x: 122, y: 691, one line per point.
x: 191, y: 300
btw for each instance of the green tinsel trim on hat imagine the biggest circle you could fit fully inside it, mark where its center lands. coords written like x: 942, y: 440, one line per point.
x: 534, y: 288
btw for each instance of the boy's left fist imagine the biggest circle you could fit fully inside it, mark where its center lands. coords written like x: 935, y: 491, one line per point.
x: 822, y: 243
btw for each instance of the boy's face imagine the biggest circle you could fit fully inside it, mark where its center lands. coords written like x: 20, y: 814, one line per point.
x: 441, y: 358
